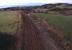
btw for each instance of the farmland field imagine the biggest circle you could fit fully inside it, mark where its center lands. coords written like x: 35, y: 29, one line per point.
x: 8, y: 21
x: 60, y: 22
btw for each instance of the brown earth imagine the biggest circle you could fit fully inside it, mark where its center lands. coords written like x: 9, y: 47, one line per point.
x: 35, y: 35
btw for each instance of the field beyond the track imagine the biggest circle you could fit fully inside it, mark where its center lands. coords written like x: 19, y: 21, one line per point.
x: 60, y: 22
x: 8, y: 21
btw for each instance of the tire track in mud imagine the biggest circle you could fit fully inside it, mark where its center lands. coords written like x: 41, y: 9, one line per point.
x: 47, y: 41
x: 32, y: 40
x: 34, y: 35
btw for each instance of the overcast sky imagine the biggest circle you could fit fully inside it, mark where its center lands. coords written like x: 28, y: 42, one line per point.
x: 4, y: 3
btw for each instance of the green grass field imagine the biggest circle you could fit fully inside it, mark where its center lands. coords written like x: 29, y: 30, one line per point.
x: 8, y: 21
x: 62, y: 23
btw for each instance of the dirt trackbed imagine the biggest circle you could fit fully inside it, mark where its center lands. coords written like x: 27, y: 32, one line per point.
x: 34, y: 36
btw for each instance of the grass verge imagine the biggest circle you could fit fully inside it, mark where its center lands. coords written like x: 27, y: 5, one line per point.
x: 8, y: 21
x: 60, y: 22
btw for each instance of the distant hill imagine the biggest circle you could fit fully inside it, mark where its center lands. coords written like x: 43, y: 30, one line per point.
x: 62, y: 8
x: 57, y: 5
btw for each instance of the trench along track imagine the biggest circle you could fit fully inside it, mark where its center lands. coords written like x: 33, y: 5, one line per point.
x: 34, y: 36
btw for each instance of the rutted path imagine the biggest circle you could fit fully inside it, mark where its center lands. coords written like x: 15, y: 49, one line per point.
x: 35, y: 35
x: 47, y: 41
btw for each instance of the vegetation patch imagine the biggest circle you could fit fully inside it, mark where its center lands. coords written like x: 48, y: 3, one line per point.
x: 7, y: 41
x: 8, y: 21
x: 60, y: 22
